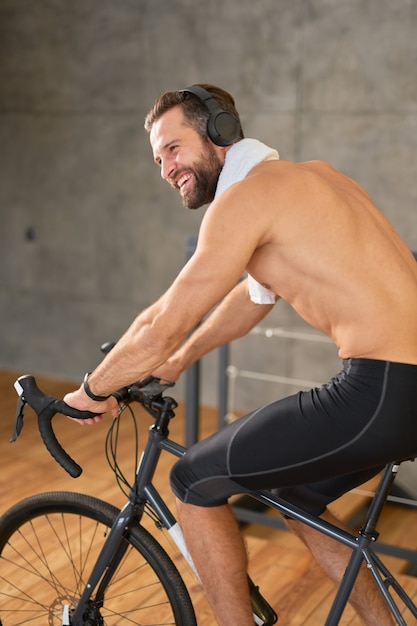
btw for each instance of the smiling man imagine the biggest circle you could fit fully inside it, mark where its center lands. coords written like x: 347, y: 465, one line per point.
x: 308, y: 234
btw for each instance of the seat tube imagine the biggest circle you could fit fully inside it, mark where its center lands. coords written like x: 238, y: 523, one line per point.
x: 347, y: 582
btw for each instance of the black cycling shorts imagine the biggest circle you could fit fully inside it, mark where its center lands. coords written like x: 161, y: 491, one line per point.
x: 311, y: 447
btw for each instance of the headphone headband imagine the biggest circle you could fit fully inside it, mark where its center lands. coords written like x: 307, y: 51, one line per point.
x: 222, y: 127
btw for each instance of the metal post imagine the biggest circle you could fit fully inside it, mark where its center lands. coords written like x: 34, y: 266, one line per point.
x: 192, y: 380
x: 223, y: 387
x: 192, y: 404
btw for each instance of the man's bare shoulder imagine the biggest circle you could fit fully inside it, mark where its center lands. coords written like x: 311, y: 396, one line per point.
x: 277, y: 195
x: 270, y: 189
x: 287, y: 168
x: 277, y: 175
x: 290, y: 170
x: 301, y: 182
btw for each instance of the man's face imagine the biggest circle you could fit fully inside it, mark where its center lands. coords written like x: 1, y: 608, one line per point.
x: 188, y: 163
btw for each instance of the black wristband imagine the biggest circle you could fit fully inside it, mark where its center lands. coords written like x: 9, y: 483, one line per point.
x: 90, y: 394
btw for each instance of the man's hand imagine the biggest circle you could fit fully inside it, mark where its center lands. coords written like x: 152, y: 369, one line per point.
x: 79, y: 400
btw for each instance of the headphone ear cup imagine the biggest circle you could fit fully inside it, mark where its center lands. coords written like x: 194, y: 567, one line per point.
x: 223, y: 128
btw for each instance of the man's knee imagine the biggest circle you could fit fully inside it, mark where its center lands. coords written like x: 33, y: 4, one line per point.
x: 191, y: 487
x: 205, y: 484
x: 181, y: 481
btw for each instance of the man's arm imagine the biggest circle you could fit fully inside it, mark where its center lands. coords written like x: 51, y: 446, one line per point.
x: 223, y: 252
x: 234, y: 317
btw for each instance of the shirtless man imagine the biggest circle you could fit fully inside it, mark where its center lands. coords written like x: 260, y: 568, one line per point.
x: 312, y: 236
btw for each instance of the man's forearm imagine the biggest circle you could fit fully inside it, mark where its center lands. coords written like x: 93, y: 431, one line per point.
x: 235, y: 316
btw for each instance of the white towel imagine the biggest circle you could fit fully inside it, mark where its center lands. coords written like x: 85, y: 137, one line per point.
x: 241, y: 158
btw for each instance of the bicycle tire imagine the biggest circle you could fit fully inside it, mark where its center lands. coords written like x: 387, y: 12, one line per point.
x: 48, y: 545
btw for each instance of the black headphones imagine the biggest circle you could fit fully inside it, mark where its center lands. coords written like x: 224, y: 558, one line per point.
x: 222, y: 127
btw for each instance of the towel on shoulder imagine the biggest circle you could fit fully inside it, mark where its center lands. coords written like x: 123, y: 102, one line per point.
x: 241, y: 158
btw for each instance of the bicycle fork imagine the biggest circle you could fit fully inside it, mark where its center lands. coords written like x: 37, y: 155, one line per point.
x: 110, y: 556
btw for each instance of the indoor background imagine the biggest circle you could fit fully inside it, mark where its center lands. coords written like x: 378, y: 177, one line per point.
x: 90, y: 234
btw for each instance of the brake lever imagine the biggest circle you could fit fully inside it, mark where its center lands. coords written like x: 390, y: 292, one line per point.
x: 46, y: 407
x: 18, y: 422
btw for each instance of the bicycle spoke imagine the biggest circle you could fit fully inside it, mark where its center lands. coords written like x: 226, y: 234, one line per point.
x: 46, y: 559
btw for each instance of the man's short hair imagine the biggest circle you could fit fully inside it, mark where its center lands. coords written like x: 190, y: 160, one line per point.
x: 195, y: 111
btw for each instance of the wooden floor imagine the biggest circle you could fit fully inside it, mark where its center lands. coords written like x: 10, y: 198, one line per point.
x: 279, y: 563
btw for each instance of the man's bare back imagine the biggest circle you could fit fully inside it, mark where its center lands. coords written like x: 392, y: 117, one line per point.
x: 336, y: 259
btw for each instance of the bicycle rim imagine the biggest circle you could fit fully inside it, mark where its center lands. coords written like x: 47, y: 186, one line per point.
x: 49, y: 544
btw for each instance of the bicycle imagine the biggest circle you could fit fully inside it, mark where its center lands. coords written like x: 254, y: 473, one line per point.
x: 69, y: 559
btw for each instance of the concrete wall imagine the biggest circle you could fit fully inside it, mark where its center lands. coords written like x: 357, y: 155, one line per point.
x: 89, y: 234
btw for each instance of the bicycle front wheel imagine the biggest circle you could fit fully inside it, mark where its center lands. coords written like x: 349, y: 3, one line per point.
x: 49, y: 544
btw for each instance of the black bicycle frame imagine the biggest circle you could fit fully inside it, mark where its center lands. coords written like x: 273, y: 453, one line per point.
x: 143, y: 491
x: 360, y: 546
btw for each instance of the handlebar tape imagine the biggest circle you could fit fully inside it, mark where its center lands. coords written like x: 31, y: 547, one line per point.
x: 52, y: 444
x: 46, y: 408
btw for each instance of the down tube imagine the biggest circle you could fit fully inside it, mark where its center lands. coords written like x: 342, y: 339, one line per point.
x: 169, y: 522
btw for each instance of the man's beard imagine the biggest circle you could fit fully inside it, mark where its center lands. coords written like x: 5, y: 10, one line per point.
x: 206, y: 171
